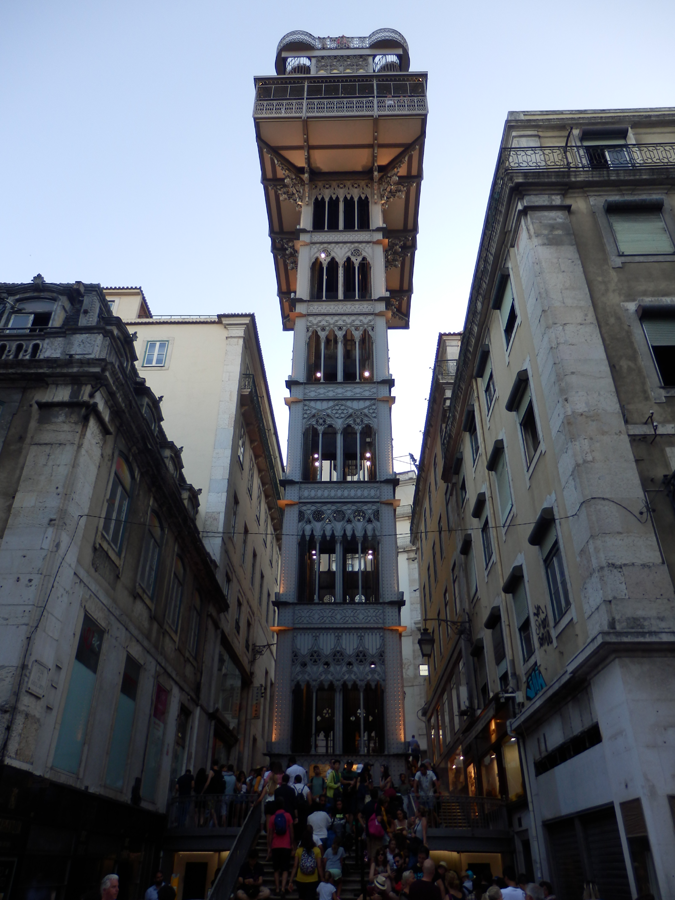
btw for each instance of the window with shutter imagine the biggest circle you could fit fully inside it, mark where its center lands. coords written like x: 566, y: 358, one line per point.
x: 503, y: 486
x: 523, y: 620
x: 508, y: 314
x: 660, y: 333
x: 640, y: 232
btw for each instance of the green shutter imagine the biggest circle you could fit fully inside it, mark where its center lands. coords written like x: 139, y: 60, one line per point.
x: 660, y: 331
x: 640, y: 232
x: 520, y: 603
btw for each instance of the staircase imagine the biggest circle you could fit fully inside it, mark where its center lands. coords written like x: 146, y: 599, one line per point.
x: 351, y: 880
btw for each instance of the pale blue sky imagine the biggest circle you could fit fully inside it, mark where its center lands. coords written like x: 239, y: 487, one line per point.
x: 128, y: 153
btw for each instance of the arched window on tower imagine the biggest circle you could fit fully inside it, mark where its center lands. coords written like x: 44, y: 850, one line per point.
x: 301, y: 735
x: 373, y: 709
x: 333, y: 217
x: 368, y: 467
x: 319, y: 214
x: 360, y: 571
x: 349, y: 214
x: 328, y: 455
x: 331, y: 280
x: 324, y: 724
x: 330, y: 357
x: 349, y: 284
x: 310, y: 454
x: 363, y: 280
x: 350, y: 454
x: 314, y: 357
x: 349, y: 357
x: 363, y: 213
x: 366, y: 361
x: 317, y: 279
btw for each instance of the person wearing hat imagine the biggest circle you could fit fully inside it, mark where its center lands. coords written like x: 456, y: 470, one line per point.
x: 467, y: 884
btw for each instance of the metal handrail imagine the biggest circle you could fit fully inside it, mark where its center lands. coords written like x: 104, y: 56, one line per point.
x: 227, y: 877
x: 248, y: 384
x: 618, y: 156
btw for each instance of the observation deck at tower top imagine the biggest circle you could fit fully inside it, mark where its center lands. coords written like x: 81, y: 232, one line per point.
x: 343, y: 110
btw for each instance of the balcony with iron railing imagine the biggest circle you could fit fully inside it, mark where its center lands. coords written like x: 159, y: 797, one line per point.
x: 358, y: 96
x: 445, y: 370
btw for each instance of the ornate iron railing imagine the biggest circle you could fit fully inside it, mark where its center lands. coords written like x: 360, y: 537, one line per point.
x: 342, y: 42
x: 341, y: 106
x: 446, y: 368
x: 461, y: 812
x: 248, y: 384
x: 615, y: 156
x: 209, y: 810
x: 227, y: 877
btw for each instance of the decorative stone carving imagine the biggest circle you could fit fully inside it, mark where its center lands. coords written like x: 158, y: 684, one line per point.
x: 341, y: 189
x: 323, y: 414
x: 342, y: 65
x: 327, y: 491
x: 395, y: 252
x: 337, y: 658
x: 343, y: 391
x: 388, y: 188
x: 340, y: 325
x: 294, y: 188
x: 339, y: 250
x: 359, y: 521
x: 340, y: 308
x: 285, y: 249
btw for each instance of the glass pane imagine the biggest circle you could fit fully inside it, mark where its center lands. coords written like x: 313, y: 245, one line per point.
x: 124, y: 720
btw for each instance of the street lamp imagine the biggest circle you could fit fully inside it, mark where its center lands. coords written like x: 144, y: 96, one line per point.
x: 426, y: 643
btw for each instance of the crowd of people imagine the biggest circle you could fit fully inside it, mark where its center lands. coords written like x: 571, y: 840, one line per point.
x: 317, y: 823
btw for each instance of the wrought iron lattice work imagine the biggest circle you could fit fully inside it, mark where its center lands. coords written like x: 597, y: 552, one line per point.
x: 342, y: 43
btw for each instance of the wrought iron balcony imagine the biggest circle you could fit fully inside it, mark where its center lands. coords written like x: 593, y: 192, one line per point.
x: 445, y: 369
x: 365, y: 97
x: 615, y: 156
x: 458, y: 811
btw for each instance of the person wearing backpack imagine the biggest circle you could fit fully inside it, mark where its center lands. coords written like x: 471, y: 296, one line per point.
x: 279, y: 842
x: 307, y: 867
x: 302, y: 801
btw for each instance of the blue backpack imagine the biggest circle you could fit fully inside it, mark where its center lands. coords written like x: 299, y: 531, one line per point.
x: 280, y: 826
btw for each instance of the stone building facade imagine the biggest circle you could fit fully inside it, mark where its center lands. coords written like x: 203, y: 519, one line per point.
x: 559, y: 449
x: 341, y: 139
x: 210, y: 373
x: 116, y: 655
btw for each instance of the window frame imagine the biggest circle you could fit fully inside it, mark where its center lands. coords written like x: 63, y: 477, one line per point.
x: 146, y: 352
x: 116, y: 480
x: 241, y: 444
x: 174, y: 604
x: 614, y: 209
x: 195, y: 625
x: 143, y: 564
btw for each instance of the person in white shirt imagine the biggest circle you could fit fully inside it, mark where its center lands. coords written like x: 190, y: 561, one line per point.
x: 320, y: 822
x: 511, y: 891
x: 294, y: 769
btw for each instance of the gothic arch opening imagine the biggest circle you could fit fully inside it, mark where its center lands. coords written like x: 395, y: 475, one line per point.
x: 349, y: 284
x: 301, y: 735
x: 363, y: 280
x: 349, y: 369
x: 333, y: 214
x: 332, y: 279
x: 314, y: 357
x: 360, y: 570
x: 310, y: 454
x: 349, y: 213
x: 319, y: 214
x: 366, y: 357
x: 317, y: 277
x: 330, y: 357
x: 363, y: 213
